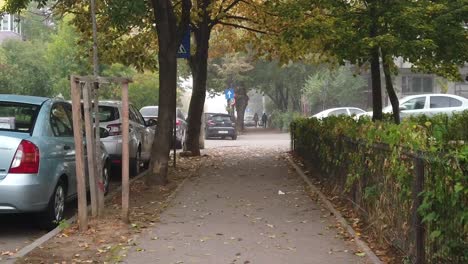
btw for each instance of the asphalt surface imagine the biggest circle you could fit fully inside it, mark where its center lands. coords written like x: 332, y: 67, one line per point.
x: 246, y: 207
x: 19, y: 230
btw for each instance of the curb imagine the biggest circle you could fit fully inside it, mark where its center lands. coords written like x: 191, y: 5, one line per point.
x: 359, y: 242
x: 38, y: 242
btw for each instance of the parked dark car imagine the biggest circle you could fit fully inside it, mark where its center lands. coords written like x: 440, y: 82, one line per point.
x: 220, y: 125
x: 152, y: 112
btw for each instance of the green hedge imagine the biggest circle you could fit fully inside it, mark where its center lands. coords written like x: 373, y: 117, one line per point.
x: 282, y: 120
x: 373, y: 165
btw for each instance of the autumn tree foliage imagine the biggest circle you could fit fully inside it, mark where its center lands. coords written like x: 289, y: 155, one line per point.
x: 372, y: 33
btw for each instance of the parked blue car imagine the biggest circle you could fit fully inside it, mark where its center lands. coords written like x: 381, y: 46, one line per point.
x: 37, y: 157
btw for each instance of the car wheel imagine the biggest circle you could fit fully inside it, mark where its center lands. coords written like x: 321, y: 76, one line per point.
x: 135, y: 168
x: 56, y: 207
x: 234, y: 137
x: 105, y: 178
x: 223, y: 137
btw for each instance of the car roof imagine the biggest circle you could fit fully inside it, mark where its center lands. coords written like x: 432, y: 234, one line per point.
x: 409, y: 97
x: 25, y: 99
x: 110, y: 102
x: 150, y: 106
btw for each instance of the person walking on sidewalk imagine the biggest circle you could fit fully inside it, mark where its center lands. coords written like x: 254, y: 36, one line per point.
x: 255, y: 118
x: 264, y: 120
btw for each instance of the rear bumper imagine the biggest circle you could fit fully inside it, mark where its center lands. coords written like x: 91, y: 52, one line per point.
x: 21, y: 193
x: 113, y: 145
x: 220, y: 132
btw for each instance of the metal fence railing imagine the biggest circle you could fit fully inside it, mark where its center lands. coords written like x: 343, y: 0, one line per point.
x: 390, y: 209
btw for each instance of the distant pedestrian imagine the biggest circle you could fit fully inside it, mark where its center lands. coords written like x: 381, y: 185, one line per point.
x: 264, y: 120
x: 255, y: 118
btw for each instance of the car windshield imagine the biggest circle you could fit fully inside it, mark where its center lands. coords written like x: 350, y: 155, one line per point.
x: 149, y: 111
x: 18, y: 116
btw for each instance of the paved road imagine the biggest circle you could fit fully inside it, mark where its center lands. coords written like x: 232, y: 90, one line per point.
x: 17, y: 231
x: 246, y: 207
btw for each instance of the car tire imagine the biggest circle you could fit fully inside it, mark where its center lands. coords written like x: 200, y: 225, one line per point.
x: 135, y: 166
x: 54, y: 213
x: 234, y: 137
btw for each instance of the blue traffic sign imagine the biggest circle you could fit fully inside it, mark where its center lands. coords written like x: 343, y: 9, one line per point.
x: 184, y: 48
x: 229, y: 93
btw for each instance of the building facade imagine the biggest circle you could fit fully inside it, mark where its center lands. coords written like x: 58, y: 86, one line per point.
x: 408, y: 82
x: 10, y: 27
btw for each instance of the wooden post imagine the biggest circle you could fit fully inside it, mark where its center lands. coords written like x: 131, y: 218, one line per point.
x: 80, y: 178
x: 175, y: 131
x: 99, y: 165
x: 420, y: 254
x: 125, y: 154
x: 90, y: 147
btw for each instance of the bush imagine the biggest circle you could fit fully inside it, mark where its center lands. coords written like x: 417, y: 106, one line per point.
x: 282, y: 120
x: 373, y: 164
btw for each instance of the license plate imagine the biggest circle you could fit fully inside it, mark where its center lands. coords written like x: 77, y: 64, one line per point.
x: 222, y: 132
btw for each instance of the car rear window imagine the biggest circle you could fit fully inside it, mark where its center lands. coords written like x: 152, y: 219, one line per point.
x: 108, y: 113
x: 149, y: 111
x: 220, y: 118
x: 18, y: 116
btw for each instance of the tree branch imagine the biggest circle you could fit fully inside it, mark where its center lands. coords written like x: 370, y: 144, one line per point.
x: 232, y: 5
x: 242, y: 27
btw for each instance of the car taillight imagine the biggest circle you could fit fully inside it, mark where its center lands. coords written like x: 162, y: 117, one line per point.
x: 26, y: 159
x: 114, y: 129
x: 177, y: 122
x: 210, y: 123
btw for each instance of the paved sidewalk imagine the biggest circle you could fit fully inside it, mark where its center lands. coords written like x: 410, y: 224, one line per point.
x: 233, y: 213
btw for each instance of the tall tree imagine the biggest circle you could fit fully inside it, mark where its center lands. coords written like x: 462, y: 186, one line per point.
x: 170, y: 30
x: 281, y: 83
x: 130, y: 38
x: 425, y: 33
x: 232, y: 70
x: 240, y: 14
x: 324, y: 89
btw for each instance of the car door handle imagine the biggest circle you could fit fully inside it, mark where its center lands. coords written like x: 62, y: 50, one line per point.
x: 66, y: 147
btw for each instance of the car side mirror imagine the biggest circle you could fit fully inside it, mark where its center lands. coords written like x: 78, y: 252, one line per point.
x: 103, y: 133
x: 403, y: 107
x: 151, y: 123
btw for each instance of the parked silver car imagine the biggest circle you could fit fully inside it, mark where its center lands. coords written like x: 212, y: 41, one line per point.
x: 150, y: 113
x: 428, y: 104
x: 141, y: 134
x: 37, y: 150
x: 348, y: 111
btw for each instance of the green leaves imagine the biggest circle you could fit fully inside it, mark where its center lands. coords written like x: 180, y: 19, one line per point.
x: 375, y: 160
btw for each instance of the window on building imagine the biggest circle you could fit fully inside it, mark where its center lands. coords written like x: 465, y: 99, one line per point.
x: 417, y: 84
x: 5, y: 23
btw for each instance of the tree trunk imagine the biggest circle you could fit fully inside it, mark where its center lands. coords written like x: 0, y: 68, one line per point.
x: 198, y: 65
x: 386, y: 61
x: 169, y: 39
x: 375, y: 68
x: 242, y: 100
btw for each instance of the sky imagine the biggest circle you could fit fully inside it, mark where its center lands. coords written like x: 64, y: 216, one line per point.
x: 216, y: 104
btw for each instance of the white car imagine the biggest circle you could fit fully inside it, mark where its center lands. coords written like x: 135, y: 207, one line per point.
x: 428, y: 104
x: 349, y: 111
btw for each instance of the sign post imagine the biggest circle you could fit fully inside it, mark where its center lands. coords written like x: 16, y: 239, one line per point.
x: 182, y: 53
